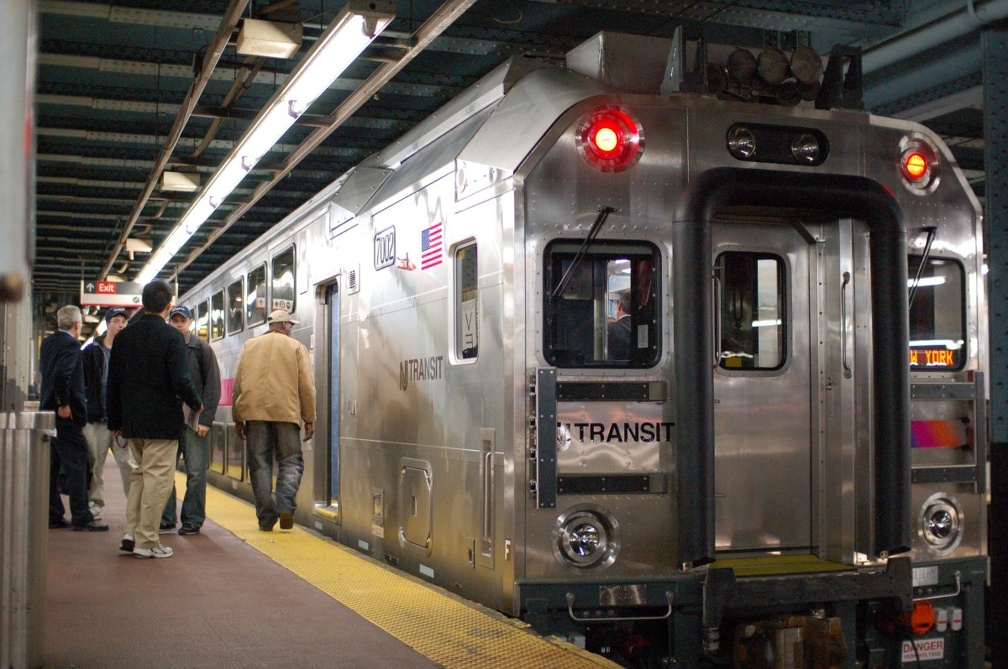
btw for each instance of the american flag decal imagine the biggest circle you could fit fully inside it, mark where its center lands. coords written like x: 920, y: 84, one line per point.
x: 430, y: 246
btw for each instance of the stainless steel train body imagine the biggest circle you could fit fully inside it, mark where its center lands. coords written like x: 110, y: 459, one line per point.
x: 759, y: 465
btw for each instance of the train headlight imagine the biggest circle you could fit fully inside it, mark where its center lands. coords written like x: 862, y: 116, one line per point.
x: 586, y: 537
x: 941, y: 523
x: 805, y: 149
x: 919, y: 164
x: 610, y: 140
x: 741, y: 142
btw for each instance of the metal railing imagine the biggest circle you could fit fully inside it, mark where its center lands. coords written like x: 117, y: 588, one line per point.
x: 24, y: 538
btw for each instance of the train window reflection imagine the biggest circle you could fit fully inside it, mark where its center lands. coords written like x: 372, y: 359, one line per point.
x: 752, y: 318
x: 235, y: 308
x: 217, y: 315
x: 937, y: 314
x: 283, y: 280
x: 255, y: 300
x: 601, y: 306
x: 203, y: 320
x: 466, y: 303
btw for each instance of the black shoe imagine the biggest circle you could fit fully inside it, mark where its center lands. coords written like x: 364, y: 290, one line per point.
x: 90, y: 527
x: 128, y: 544
x: 188, y: 528
x: 267, y: 527
x: 286, y: 520
x: 164, y: 528
x: 60, y: 524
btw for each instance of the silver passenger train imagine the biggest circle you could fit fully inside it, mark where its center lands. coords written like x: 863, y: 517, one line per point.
x: 752, y: 473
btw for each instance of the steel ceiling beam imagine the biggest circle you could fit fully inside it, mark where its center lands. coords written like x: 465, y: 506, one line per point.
x: 438, y: 22
x: 213, y: 54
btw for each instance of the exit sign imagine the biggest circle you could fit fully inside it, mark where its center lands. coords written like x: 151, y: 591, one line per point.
x: 110, y: 294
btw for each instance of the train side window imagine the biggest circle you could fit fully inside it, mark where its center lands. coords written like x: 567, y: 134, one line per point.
x: 202, y: 317
x: 217, y: 315
x: 937, y: 315
x: 235, y: 306
x: 601, y: 306
x: 753, y: 319
x: 283, y: 280
x: 466, y: 303
x: 255, y: 300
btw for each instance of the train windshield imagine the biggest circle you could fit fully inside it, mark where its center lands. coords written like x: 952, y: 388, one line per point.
x: 607, y: 313
x: 937, y: 314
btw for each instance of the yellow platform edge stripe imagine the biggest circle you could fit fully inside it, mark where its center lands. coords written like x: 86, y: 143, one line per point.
x: 448, y: 630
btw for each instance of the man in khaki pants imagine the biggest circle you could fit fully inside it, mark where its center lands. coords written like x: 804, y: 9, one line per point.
x: 148, y: 373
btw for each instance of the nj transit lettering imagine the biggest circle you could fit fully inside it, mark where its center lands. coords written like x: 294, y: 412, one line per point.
x: 420, y: 369
x: 619, y: 432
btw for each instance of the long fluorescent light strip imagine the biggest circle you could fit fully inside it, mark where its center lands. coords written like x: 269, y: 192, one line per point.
x: 341, y: 44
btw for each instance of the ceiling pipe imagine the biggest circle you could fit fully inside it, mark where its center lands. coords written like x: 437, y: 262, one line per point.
x: 911, y: 79
x: 438, y: 22
x: 913, y: 43
x: 213, y: 54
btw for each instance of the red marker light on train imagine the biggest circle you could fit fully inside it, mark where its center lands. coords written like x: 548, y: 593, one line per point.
x: 610, y: 140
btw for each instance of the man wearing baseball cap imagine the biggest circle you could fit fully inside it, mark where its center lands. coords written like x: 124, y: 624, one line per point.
x: 194, y: 442
x: 274, y: 392
x: 95, y: 357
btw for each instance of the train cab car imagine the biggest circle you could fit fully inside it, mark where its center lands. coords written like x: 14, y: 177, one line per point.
x: 649, y: 360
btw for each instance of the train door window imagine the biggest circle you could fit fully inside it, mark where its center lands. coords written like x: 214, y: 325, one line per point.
x: 466, y: 303
x: 203, y: 320
x: 752, y: 310
x: 601, y: 305
x: 283, y: 280
x: 937, y: 314
x: 255, y: 299
x: 217, y: 315
x: 235, y: 306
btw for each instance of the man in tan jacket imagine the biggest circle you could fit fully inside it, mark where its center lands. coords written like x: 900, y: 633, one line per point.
x: 274, y: 392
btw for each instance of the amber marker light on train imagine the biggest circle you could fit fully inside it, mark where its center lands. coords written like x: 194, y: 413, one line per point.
x: 610, y: 140
x: 918, y: 164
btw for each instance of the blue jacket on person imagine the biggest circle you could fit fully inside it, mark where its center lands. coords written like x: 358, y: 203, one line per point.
x: 148, y: 380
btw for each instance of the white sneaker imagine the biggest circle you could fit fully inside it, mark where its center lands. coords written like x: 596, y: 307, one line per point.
x: 95, y: 509
x: 127, y: 543
x: 158, y: 551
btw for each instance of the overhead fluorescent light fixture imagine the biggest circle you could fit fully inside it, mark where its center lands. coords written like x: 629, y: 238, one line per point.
x: 271, y: 39
x: 353, y: 29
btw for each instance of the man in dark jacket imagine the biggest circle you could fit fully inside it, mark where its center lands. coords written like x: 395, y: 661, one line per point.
x: 194, y: 442
x: 95, y: 357
x: 148, y: 373
x: 63, y: 392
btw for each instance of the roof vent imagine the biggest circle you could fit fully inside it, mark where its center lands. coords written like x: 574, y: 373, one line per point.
x: 630, y: 63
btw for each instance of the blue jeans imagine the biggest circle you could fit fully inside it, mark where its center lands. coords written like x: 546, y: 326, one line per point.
x: 196, y: 452
x: 266, y: 439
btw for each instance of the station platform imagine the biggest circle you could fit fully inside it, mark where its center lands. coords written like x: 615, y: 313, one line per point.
x: 233, y: 596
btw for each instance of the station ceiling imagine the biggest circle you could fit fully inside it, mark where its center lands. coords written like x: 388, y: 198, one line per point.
x: 128, y: 90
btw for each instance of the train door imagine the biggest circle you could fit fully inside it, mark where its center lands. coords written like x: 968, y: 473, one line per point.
x: 332, y: 322
x: 763, y: 379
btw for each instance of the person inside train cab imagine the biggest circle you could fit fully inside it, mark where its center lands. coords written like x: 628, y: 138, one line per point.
x: 194, y: 440
x: 274, y: 393
x: 620, y: 330
x: 148, y: 381
x: 95, y: 357
x: 63, y: 392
